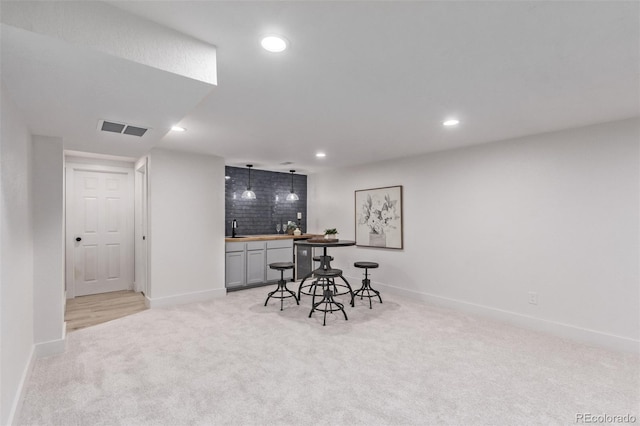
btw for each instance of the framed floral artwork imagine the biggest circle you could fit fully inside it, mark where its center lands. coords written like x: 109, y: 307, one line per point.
x: 379, y: 217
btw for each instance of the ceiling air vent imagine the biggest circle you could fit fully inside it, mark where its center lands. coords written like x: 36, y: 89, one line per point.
x: 135, y: 131
x: 286, y: 163
x: 112, y: 127
x: 122, y: 128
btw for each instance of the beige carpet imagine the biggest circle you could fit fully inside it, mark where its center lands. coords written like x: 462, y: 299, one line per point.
x: 232, y: 361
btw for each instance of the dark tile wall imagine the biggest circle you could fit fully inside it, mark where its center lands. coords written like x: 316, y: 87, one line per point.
x: 259, y: 216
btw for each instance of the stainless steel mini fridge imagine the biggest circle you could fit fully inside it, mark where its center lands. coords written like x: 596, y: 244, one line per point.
x: 304, y: 260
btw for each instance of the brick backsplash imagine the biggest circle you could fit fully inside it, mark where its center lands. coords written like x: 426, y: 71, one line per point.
x: 259, y: 216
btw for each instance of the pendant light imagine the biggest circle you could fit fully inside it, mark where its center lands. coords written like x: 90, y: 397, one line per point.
x: 292, y: 196
x: 249, y: 194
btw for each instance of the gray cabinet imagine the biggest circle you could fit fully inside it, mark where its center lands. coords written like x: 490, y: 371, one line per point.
x: 255, y: 262
x: 247, y: 263
x: 235, y: 269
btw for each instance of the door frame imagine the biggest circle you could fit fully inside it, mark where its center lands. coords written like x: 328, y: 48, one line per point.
x: 141, y: 227
x: 70, y: 168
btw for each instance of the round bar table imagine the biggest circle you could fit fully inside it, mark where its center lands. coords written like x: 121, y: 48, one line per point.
x: 324, y: 262
x: 325, y: 265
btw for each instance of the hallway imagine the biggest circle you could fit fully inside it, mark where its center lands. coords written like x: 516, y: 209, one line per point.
x: 85, y: 311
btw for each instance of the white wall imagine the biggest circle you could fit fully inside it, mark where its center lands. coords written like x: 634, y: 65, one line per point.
x: 555, y: 214
x: 186, y: 227
x: 16, y: 256
x: 48, y: 227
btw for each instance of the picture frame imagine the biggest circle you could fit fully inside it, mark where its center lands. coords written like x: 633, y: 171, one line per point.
x: 378, y: 217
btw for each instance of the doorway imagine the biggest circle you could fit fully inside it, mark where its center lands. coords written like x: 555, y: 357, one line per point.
x: 99, y: 229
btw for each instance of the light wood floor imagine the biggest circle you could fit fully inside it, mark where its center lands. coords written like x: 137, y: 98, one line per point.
x: 85, y: 311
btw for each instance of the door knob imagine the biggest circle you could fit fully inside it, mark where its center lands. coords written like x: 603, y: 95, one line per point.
x: 78, y: 239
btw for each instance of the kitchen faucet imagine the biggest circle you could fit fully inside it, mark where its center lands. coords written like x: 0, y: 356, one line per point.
x: 234, y: 225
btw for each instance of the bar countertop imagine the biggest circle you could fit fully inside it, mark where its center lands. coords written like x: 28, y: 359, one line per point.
x: 242, y: 238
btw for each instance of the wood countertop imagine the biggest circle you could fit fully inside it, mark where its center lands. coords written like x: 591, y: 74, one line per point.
x: 269, y: 237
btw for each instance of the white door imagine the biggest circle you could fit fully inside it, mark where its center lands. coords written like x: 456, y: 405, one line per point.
x: 101, y: 232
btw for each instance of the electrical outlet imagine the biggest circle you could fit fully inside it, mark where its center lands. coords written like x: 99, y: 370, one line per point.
x: 533, y: 298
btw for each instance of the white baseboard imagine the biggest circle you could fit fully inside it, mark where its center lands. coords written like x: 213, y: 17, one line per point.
x: 584, y: 335
x: 16, y: 407
x: 178, y: 299
x: 53, y: 347
x: 38, y: 350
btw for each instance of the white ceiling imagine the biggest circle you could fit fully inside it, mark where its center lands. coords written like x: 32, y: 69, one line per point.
x: 362, y: 81
x: 65, y: 90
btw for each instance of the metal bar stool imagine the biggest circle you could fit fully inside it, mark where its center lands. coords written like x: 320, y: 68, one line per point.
x: 325, y: 264
x: 366, y: 282
x: 326, y: 278
x: 282, y: 284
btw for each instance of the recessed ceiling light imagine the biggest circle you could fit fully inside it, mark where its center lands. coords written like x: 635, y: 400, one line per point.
x: 274, y: 43
x: 178, y: 129
x: 321, y: 154
x: 451, y: 122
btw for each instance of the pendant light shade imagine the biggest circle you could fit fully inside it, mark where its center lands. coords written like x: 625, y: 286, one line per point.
x: 292, y: 196
x: 249, y: 194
